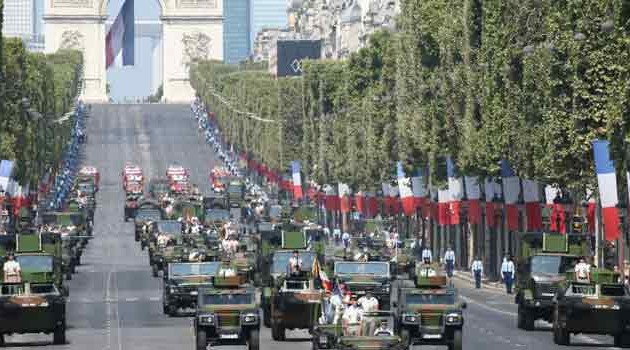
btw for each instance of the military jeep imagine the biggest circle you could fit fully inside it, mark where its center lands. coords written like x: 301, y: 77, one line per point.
x: 147, y: 211
x: 182, y: 283
x: 227, y: 314
x: 599, y: 306
x: 32, y: 308
x: 430, y: 314
x: 361, y: 277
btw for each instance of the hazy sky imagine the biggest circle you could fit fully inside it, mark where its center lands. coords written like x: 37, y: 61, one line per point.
x: 134, y: 81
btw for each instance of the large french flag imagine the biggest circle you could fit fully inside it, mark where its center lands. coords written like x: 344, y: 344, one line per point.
x: 420, y: 190
x: 297, y: 180
x: 490, y: 189
x: 473, y: 194
x: 6, y: 171
x: 406, y: 193
x: 607, y: 183
x: 531, y: 196
x: 455, y: 190
x: 444, y: 214
x: 344, y: 198
x: 121, y: 37
x: 511, y: 192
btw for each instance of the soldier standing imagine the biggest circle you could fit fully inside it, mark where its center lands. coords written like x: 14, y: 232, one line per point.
x: 477, y: 271
x: 507, y: 270
x: 449, y: 259
x: 12, y: 270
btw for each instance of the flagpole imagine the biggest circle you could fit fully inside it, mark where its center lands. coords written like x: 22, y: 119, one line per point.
x: 598, y: 232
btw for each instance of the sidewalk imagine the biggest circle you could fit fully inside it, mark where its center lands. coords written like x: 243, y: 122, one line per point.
x: 466, y: 277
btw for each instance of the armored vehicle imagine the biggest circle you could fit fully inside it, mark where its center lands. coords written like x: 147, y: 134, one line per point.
x: 598, y: 306
x: 158, y: 188
x: 39, y: 265
x: 172, y: 230
x: 541, y: 265
x: 431, y: 313
x: 30, y: 307
x: 131, y: 205
x: 182, y: 283
x: 235, y: 192
x: 331, y: 335
x: 215, y: 201
x: 227, y: 314
x: 187, y: 209
x: 360, y: 277
x: 147, y: 212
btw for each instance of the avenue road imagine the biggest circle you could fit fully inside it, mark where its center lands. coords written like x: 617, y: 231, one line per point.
x: 114, y: 302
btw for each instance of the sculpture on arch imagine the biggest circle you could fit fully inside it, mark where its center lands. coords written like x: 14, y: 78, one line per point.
x: 196, y: 47
x: 71, y: 40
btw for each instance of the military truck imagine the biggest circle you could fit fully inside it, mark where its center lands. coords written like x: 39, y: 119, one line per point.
x: 32, y: 307
x: 147, y: 211
x: 331, y: 335
x: 39, y: 257
x: 541, y: 264
x: 157, y: 252
x: 158, y: 188
x: 235, y: 192
x: 430, y: 313
x: 361, y: 277
x: 181, y: 284
x: 227, y: 314
x: 598, y: 306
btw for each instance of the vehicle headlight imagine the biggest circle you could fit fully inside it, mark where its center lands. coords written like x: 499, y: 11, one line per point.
x: 323, y: 339
x: 250, y: 318
x: 410, y: 319
x: 173, y: 290
x: 453, y: 318
x: 206, y: 319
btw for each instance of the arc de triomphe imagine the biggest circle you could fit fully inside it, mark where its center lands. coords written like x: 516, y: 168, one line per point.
x: 192, y: 29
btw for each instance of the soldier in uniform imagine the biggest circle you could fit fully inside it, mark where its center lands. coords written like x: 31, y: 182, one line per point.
x: 12, y: 270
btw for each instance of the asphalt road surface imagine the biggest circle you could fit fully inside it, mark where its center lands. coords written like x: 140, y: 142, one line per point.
x: 114, y: 302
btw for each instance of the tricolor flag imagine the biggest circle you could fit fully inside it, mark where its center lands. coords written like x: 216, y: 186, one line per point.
x: 443, y: 207
x: 372, y: 204
x: 394, y: 198
x: 359, y: 202
x: 590, y: 211
x: 455, y: 190
x: 473, y: 194
x: 344, y: 198
x: 490, y: 187
x: 387, y: 203
x: 607, y: 183
x: 121, y: 37
x: 420, y: 191
x: 297, y: 180
x: 6, y: 171
x: 557, y: 220
x: 332, y: 201
x: 406, y: 193
x: 531, y: 196
x: 511, y: 192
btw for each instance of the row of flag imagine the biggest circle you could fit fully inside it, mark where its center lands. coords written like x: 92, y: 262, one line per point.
x: 20, y: 196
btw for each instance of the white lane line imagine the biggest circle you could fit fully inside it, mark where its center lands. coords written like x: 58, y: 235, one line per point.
x: 131, y: 299
x: 155, y: 299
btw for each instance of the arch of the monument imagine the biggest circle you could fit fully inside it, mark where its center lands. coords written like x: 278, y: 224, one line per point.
x: 191, y: 29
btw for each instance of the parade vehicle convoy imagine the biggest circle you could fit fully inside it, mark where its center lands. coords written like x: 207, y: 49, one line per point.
x: 90, y: 172
x: 429, y: 313
x: 147, y: 212
x: 541, y: 267
x: 158, y: 252
x: 132, y: 174
x: 361, y: 277
x: 182, y: 283
x: 227, y: 314
x: 600, y: 305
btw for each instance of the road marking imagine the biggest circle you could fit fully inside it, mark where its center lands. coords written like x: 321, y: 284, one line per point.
x: 155, y: 298
x: 131, y: 299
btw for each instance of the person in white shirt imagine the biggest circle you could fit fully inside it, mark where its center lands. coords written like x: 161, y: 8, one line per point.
x: 351, y: 319
x: 295, y: 263
x: 449, y: 261
x: 383, y: 330
x: 583, y: 271
x: 368, y: 303
x: 162, y: 239
x: 477, y: 271
x: 12, y: 270
x: 507, y: 271
x: 345, y: 238
x: 427, y: 256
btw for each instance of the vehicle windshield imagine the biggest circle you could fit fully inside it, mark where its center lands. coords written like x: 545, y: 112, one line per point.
x: 281, y: 261
x: 62, y: 219
x: 227, y: 299
x: 436, y: 299
x: 179, y: 177
x: 265, y: 226
x: 217, y: 215
x: 315, y: 234
x: 134, y: 178
x: 148, y: 214
x: 553, y: 265
x: 173, y: 227
x: 358, y: 268
x: 86, y: 187
x: 195, y: 269
x: 40, y: 263
x: 275, y: 211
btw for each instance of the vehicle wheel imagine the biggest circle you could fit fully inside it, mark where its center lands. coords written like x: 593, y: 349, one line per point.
x: 1, y: 339
x: 201, y: 340
x: 277, y: 332
x: 267, y: 317
x: 405, y: 337
x: 526, y: 319
x: 73, y: 268
x: 154, y: 270
x: 142, y: 245
x: 59, y: 337
x: 561, y: 336
x: 136, y: 237
x: 622, y: 340
x: 126, y: 218
x: 457, y: 340
x: 68, y: 276
x: 171, y: 310
x: 253, y: 343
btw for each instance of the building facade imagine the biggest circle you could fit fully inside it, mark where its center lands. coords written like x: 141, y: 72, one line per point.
x: 237, y: 30
x: 268, y: 14
x: 22, y: 19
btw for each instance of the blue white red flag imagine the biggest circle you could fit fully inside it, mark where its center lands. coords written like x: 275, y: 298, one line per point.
x: 297, y: 180
x: 121, y: 36
x: 455, y: 190
x: 405, y: 190
x: 6, y: 171
x: 511, y: 192
x: 607, y: 183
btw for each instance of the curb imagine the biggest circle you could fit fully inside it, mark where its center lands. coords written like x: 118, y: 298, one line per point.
x: 465, y: 277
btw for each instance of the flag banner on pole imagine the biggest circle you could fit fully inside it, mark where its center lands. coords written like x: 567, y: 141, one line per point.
x: 6, y: 171
x: 121, y: 37
x: 590, y: 211
x: 490, y: 192
x: 531, y: 196
x: 359, y: 202
x: 372, y: 204
x: 473, y: 193
x: 511, y: 192
x: 332, y: 200
x: 297, y: 180
x: 557, y: 219
x: 406, y: 193
x: 444, y: 215
x: 394, y: 200
x: 344, y: 198
x: 386, y: 201
x: 455, y: 189
x: 607, y: 183
x: 420, y: 190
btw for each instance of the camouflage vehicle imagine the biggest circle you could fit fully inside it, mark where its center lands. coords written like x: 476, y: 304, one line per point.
x: 430, y: 314
x: 541, y: 264
x: 235, y: 192
x: 315, y: 238
x: 131, y: 205
x: 180, y: 289
x: 187, y: 209
x: 173, y: 249
x: 147, y: 211
x: 215, y: 218
x: 599, y: 306
x: 215, y: 201
x: 294, y: 296
x: 360, y: 277
x: 158, y: 188
x: 32, y: 307
x: 334, y: 336
x: 227, y: 314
